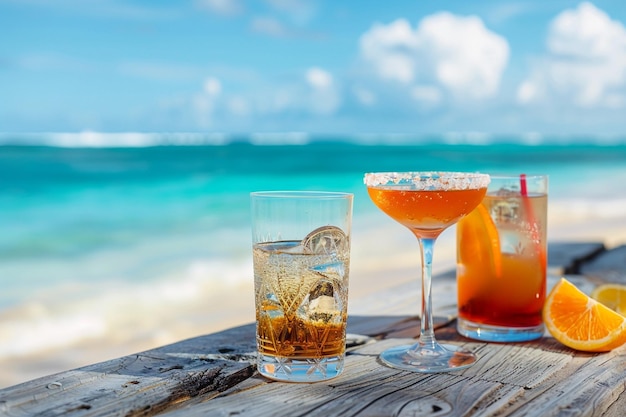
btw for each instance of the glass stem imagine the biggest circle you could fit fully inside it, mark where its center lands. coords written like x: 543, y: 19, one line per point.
x: 427, y: 332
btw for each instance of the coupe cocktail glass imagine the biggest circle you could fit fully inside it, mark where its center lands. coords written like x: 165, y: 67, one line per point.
x: 427, y: 203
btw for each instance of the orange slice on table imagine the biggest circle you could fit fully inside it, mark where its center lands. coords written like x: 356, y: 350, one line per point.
x: 479, y: 239
x: 580, y: 322
x: 611, y: 295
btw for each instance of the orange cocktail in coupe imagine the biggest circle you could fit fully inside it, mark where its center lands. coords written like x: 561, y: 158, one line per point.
x: 426, y: 212
x: 427, y: 203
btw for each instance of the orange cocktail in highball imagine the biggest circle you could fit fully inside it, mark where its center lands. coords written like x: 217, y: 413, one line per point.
x: 501, y: 262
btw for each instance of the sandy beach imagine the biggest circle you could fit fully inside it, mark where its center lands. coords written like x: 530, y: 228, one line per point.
x: 138, y: 323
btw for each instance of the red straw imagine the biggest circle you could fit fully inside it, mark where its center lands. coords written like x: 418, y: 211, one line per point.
x: 522, y: 180
x: 531, y: 219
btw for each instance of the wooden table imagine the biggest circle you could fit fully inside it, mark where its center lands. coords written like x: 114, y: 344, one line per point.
x: 215, y: 375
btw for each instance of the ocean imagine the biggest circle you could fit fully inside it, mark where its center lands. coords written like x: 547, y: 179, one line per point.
x: 91, y: 232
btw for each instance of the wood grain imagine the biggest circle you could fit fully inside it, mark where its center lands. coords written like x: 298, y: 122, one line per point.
x: 215, y: 375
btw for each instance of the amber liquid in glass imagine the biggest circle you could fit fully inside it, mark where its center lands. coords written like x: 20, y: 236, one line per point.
x: 302, y: 301
x: 426, y: 212
x: 513, y: 293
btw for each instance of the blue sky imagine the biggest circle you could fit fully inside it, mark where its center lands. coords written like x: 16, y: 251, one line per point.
x: 324, y: 67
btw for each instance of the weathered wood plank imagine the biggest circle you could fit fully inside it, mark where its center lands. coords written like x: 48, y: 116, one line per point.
x: 567, y: 257
x: 609, y: 265
x: 366, y: 388
x: 142, y: 384
x: 588, y: 386
x: 509, y: 379
x: 374, y: 326
x: 522, y: 379
x: 156, y: 380
x: 382, y: 327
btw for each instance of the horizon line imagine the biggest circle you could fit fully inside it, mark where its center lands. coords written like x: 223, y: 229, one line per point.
x: 98, y: 139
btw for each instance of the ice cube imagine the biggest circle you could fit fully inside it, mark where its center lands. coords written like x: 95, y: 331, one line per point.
x: 322, y: 305
x: 333, y: 271
x: 325, y: 240
x: 505, y: 211
x: 323, y: 288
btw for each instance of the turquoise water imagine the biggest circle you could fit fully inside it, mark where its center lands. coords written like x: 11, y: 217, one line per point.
x: 75, y: 222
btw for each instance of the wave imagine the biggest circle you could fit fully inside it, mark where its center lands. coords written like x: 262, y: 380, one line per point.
x: 119, y: 310
x: 94, y: 139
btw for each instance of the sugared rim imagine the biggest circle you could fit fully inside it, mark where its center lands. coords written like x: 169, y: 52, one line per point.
x: 428, y: 180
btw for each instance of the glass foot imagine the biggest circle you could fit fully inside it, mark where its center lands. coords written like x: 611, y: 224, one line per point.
x: 417, y: 358
x: 490, y: 333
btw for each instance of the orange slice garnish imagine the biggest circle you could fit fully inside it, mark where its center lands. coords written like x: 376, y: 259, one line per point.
x: 580, y: 322
x: 479, y: 239
x: 611, y: 295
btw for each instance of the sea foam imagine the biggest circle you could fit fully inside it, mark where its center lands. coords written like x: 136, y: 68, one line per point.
x: 121, y: 309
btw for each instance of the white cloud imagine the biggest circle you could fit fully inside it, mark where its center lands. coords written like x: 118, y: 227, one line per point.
x: 455, y: 54
x: 314, y: 92
x: 390, y: 49
x: 527, y: 92
x: 212, y: 87
x: 585, y: 64
x: 206, y: 103
x: 318, y: 78
x: 468, y: 58
x: 324, y: 96
x: 586, y: 32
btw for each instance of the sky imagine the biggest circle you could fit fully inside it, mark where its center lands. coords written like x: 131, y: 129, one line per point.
x: 325, y: 67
